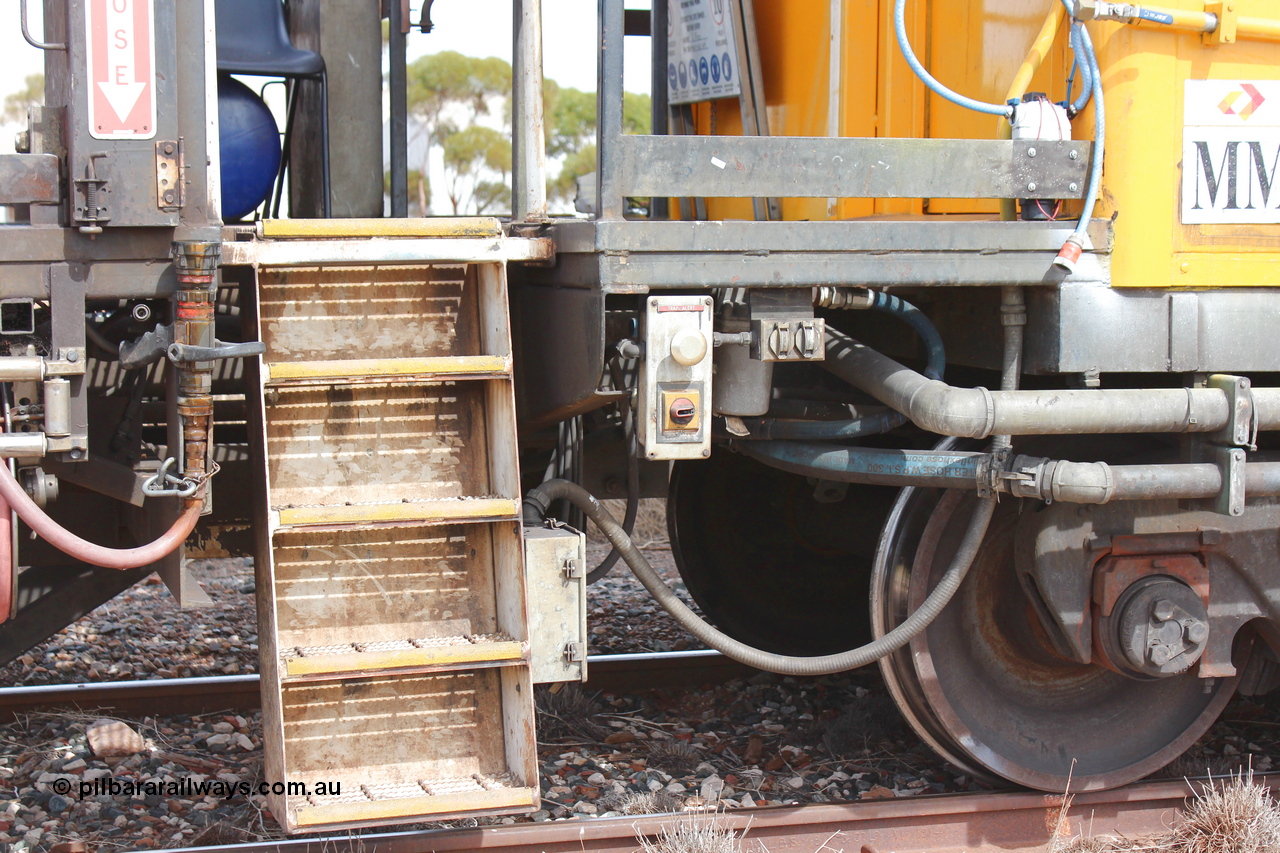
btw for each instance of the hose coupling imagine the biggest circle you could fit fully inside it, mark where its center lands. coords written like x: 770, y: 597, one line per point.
x: 1069, y: 254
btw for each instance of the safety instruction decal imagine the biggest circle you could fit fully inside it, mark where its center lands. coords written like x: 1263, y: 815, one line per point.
x: 120, y: 39
x: 1231, y: 152
x: 702, y: 54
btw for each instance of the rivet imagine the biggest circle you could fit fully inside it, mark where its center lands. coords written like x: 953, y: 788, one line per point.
x: 1185, y: 267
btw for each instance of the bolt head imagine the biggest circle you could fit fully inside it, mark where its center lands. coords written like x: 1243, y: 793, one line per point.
x: 1031, y: 152
x: 1074, y: 187
x: 73, y: 356
x: 1159, y: 655
x: 1031, y: 187
x: 1163, y: 610
x: 1073, y: 154
x: 1196, y: 632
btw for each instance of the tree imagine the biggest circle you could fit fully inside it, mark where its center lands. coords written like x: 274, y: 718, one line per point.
x: 15, y: 105
x: 446, y: 93
x: 467, y: 154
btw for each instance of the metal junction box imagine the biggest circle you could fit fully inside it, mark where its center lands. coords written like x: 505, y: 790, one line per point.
x: 555, y: 564
x: 675, y: 378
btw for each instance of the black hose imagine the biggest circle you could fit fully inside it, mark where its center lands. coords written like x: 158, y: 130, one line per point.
x: 535, y: 509
x: 633, y: 503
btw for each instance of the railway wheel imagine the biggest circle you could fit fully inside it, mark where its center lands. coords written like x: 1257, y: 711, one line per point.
x: 982, y: 684
x: 772, y: 559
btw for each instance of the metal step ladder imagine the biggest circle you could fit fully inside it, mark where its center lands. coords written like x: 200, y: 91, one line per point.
x: 391, y: 600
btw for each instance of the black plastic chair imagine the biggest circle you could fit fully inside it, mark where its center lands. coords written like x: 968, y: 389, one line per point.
x: 252, y: 39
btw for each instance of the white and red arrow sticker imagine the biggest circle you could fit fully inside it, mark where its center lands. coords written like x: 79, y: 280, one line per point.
x: 121, y: 55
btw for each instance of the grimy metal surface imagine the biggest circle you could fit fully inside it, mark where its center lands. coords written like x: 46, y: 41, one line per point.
x: 793, y: 167
x: 947, y: 823
x: 636, y: 257
x: 241, y: 692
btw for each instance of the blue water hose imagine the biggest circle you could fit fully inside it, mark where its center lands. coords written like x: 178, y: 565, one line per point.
x: 935, y: 352
x: 900, y: 28
x: 1086, y: 75
x: 1099, y: 132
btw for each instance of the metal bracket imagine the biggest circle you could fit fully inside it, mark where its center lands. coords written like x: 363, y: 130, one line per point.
x: 1225, y: 32
x: 1231, y: 461
x: 1242, y: 427
x: 169, y: 194
x: 573, y: 569
x: 789, y: 340
x: 92, y: 211
x: 575, y: 652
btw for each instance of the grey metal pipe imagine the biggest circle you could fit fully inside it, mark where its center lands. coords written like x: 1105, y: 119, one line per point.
x: 978, y: 413
x: 529, y: 165
x: 21, y: 368
x: 23, y: 444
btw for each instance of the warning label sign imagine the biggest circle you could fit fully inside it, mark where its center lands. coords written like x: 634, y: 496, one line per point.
x: 702, y: 54
x: 120, y: 39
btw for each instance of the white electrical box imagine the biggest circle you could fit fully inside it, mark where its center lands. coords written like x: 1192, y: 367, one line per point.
x: 555, y: 565
x: 675, y: 378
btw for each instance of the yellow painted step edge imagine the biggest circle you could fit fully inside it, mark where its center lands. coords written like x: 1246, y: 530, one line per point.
x: 466, y: 226
x: 356, y: 368
x: 447, y: 510
x: 413, y: 807
x: 477, y: 653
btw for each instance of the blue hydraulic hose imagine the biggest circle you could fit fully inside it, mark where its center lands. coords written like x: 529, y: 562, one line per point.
x: 771, y: 428
x: 1099, y: 132
x: 900, y: 28
x: 936, y: 354
x: 1086, y: 74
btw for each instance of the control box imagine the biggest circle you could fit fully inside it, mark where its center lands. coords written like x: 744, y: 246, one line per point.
x: 675, y: 378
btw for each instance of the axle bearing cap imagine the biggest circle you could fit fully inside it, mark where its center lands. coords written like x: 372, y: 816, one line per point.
x: 1162, y: 627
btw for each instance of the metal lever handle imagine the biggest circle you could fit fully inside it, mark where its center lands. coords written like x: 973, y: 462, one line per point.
x: 186, y: 353
x: 26, y: 33
x: 162, y: 484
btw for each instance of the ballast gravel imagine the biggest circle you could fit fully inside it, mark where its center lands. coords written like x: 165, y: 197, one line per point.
x: 755, y: 741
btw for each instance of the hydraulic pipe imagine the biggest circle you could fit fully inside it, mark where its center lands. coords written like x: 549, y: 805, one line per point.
x: 935, y: 406
x: 806, y: 430
x: 535, y: 509
x: 1039, y: 50
x: 110, y: 558
x: 871, y: 465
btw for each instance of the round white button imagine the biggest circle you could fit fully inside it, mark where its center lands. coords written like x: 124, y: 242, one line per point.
x: 689, y: 347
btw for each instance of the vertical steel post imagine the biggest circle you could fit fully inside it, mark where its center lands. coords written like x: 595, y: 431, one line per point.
x: 529, y: 167
x: 399, y: 111
x: 609, y: 201
x: 659, y: 208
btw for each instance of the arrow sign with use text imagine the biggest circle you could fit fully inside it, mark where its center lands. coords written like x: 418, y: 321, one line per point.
x: 120, y: 40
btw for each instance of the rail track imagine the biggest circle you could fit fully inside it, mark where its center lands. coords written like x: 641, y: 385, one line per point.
x: 1009, y: 822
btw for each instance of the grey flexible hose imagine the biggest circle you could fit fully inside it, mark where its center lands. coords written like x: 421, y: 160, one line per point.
x: 535, y: 509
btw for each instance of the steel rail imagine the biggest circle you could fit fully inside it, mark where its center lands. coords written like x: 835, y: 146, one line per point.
x: 159, y: 697
x: 1012, y: 822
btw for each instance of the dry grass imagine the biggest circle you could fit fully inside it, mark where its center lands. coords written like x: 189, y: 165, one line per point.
x: 674, y: 756
x: 1233, y: 816
x: 651, y: 523
x: 649, y: 802
x: 567, y: 713
x: 694, y: 835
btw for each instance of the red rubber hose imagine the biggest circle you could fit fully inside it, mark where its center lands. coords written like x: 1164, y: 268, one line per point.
x: 64, y: 540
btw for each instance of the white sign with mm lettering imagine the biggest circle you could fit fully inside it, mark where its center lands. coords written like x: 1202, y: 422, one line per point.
x: 1231, y: 152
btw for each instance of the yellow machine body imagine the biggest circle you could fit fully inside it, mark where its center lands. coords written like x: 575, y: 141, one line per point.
x: 832, y: 67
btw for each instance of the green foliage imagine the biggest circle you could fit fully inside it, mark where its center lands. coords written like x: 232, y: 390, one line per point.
x: 32, y: 94
x: 468, y: 153
x: 563, y: 187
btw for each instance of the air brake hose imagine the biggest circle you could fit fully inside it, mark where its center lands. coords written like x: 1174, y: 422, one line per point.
x: 97, y: 555
x: 540, y: 498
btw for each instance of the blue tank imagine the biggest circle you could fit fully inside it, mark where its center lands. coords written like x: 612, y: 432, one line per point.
x: 250, y: 144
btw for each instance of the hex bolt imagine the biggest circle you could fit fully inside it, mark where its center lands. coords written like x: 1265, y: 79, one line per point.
x: 1196, y: 632
x: 168, y: 148
x: 1163, y: 610
x: 73, y: 356
x: 1159, y: 655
